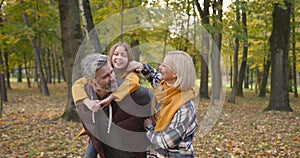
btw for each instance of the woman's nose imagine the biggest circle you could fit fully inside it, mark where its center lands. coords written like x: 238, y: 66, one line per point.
x: 159, y: 66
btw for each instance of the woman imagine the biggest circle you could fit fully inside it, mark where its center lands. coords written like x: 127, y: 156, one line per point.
x: 173, y: 122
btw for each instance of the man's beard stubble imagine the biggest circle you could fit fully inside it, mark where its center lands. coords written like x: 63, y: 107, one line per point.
x: 113, y: 86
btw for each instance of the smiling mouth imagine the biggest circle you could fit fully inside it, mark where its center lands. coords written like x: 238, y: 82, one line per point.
x: 118, y: 62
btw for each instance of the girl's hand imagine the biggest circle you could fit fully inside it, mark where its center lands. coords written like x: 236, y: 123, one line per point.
x: 103, y: 103
x: 93, y: 105
x: 134, y: 66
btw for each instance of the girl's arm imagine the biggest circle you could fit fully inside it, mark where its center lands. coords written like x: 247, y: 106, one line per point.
x: 81, y: 97
x: 78, y: 91
x: 130, y: 84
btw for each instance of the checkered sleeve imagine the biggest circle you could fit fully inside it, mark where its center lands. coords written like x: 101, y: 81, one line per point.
x: 151, y: 74
x: 174, y: 136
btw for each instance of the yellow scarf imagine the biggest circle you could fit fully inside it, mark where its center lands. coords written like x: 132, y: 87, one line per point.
x: 169, y: 100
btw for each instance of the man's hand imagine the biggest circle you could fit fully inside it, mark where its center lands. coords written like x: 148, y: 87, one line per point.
x: 93, y: 105
x: 134, y: 66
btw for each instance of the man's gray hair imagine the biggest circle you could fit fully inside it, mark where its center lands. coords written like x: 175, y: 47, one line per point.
x: 90, y: 63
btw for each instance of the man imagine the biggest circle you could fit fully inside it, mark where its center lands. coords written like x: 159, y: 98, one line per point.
x: 114, y: 130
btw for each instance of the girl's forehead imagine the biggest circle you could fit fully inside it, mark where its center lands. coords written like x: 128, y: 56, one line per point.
x: 120, y: 48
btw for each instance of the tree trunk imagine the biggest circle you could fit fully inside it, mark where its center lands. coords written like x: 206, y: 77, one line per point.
x: 263, y: 87
x: 7, y: 72
x: 294, y: 53
x: 19, y: 77
x: 1, y: 63
x: 242, y: 73
x: 2, y: 82
x: 187, y: 38
x: 203, y: 90
x: 71, y: 39
x: 290, y: 78
x: 62, y: 72
x: 231, y: 71
x: 49, y: 70
x: 26, y: 71
x: 279, y: 42
x: 58, y: 66
x: 1, y: 103
x: 35, y: 72
x: 37, y: 55
x: 53, y: 66
x: 216, y: 53
x: 136, y: 52
x: 87, y: 20
x: 6, y: 61
x: 235, y: 58
x: 3, y: 90
x: 251, y: 79
x: 246, y: 81
x: 257, y: 79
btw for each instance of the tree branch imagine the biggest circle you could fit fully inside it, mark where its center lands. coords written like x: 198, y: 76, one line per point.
x: 198, y: 7
x: 2, y: 1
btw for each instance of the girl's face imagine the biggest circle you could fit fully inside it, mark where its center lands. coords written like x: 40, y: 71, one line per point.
x: 166, y: 72
x: 119, y: 58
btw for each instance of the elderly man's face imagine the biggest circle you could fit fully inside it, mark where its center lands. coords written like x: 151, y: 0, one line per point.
x: 105, y: 79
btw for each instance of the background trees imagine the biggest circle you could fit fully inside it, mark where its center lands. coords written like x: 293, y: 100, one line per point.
x: 56, y: 28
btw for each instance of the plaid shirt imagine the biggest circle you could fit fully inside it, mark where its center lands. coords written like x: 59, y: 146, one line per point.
x: 176, y: 140
x: 151, y: 75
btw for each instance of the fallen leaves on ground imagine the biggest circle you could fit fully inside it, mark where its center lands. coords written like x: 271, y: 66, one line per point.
x: 31, y: 127
x: 244, y: 130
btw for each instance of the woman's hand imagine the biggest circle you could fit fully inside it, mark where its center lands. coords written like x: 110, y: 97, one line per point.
x: 148, y: 125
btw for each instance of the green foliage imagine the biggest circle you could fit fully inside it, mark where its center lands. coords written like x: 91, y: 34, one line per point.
x: 43, y: 21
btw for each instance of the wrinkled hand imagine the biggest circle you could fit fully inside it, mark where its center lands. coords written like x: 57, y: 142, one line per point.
x: 93, y: 105
x: 134, y: 66
x: 148, y: 124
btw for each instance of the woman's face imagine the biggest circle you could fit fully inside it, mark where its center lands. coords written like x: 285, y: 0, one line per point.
x: 119, y: 58
x: 166, y: 73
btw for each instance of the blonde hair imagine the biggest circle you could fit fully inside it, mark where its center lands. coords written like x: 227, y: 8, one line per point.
x: 125, y: 46
x: 182, y: 65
